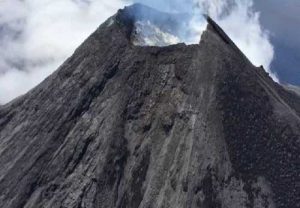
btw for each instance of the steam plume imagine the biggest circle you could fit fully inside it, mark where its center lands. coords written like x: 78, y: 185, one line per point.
x: 236, y: 17
x: 36, y: 36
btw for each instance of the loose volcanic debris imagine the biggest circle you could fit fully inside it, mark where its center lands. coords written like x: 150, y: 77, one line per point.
x: 120, y: 125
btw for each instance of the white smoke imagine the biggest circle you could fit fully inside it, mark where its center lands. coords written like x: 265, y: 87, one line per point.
x: 36, y: 36
x: 242, y: 25
x: 236, y: 17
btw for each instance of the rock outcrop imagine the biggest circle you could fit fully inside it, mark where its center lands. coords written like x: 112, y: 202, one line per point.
x: 119, y: 125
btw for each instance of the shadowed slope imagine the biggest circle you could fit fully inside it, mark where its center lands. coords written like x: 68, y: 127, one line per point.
x: 119, y: 125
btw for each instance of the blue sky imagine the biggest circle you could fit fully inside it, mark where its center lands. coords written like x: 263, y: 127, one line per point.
x: 35, y: 34
x: 282, y: 19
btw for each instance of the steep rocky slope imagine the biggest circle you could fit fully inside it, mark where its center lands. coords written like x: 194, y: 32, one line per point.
x: 119, y: 125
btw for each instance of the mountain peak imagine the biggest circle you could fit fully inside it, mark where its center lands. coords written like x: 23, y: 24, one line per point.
x: 149, y: 27
x: 120, y: 125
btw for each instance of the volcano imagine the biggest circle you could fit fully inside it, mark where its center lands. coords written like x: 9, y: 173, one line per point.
x: 125, y: 124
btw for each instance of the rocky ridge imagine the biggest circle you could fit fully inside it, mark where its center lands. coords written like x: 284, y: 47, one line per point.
x: 119, y: 125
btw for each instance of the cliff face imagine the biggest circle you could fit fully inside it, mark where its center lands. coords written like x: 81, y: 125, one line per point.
x: 119, y: 125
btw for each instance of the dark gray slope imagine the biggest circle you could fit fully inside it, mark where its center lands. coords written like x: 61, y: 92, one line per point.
x: 124, y: 126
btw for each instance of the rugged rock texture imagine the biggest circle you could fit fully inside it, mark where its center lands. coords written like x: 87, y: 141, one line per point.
x: 119, y: 125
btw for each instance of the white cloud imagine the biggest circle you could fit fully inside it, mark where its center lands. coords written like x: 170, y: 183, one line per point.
x: 36, y: 36
x: 243, y: 26
x: 236, y: 17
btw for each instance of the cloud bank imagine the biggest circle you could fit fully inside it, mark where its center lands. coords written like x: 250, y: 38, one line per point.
x: 236, y: 17
x: 36, y: 36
